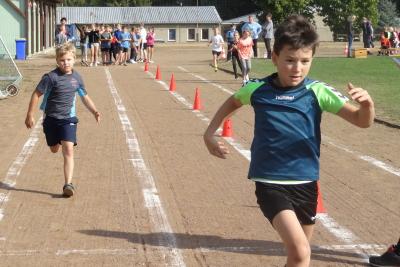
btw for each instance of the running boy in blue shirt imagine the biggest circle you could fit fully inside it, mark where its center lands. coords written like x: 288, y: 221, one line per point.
x: 286, y: 146
x: 60, y: 87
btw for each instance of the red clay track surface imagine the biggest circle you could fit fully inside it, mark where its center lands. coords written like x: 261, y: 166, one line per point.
x: 149, y: 194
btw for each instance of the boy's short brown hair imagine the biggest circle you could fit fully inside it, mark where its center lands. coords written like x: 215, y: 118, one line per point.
x: 63, y: 49
x: 296, y: 32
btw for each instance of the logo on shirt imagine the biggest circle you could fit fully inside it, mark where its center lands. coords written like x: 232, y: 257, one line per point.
x: 74, y: 83
x: 285, y: 97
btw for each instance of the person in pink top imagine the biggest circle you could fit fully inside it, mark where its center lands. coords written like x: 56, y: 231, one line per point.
x: 150, y: 44
x: 245, y: 50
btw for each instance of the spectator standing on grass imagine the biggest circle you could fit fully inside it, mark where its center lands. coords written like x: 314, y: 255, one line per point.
x: 229, y: 40
x: 235, y: 54
x: 367, y: 34
x: 268, y: 34
x: 371, y: 40
x: 255, y: 29
x: 245, y: 50
x: 350, y: 33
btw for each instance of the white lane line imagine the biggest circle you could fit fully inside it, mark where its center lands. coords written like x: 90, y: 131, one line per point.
x: 340, y: 232
x: 157, y: 214
x: 377, y: 163
x: 223, y: 89
x: 210, y: 249
x: 369, y: 159
x: 16, y: 167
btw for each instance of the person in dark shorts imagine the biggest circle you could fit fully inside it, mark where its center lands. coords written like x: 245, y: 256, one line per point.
x: 286, y: 146
x: 59, y: 88
x: 105, y: 39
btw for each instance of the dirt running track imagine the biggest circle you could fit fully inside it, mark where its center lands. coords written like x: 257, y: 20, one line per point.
x: 207, y: 213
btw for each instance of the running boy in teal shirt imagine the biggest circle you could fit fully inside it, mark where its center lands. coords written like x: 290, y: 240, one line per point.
x: 59, y: 88
x: 286, y: 146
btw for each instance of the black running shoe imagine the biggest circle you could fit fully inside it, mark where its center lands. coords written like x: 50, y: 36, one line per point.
x: 68, y: 190
x: 389, y: 258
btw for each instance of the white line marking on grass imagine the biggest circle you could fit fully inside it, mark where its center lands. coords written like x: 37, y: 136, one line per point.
x: 397, y: 61
x: 16, y: 167
x: 341, y: 233
x: 152, y: 200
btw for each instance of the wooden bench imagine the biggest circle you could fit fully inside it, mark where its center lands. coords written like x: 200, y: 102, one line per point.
x: 389, y: 51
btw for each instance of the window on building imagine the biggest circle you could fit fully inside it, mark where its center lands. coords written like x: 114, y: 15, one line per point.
x: 191, y: 35
x: 204, y: 35
x: 171, y: 34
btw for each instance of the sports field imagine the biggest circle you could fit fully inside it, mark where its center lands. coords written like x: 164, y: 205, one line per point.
x: 149, y: 194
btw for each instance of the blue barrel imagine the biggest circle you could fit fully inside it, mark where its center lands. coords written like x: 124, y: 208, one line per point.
x: 20, y: 48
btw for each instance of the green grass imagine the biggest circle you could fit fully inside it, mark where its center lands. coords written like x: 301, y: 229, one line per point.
x: 378, y: 75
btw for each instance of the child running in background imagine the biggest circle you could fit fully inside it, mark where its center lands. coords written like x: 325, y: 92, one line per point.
x: 235, y: 54
x: 216, y: 43
x: 245, y: 50
x: 125, y: 44
x: 151, y: 37
x: 60, y: 87
x: 285, y: 150
x: 105, y: 39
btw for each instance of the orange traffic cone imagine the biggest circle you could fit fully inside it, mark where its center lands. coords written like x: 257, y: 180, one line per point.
x: 146, y: 66
x: 172, y: 83
x: 227, y: 129
x: 158, y: 73
x: 320, y: 204
x: 197, y: 101
x: 346, y: 50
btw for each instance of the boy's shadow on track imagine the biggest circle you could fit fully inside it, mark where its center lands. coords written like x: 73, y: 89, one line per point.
x: 217, y: 243
x: 10, y: 188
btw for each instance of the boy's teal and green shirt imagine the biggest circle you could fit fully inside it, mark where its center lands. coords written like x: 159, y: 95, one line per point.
x: 287, y: 135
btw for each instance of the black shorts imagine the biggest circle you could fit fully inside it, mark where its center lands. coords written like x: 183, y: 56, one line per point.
x: 144, y: 45
x: 57, y: 130
x: 117, y: 48
x: 151, y: 46
x: 216, y: 53
x: 301, y: 198
x: 105, y: 49
x: 125, y: 49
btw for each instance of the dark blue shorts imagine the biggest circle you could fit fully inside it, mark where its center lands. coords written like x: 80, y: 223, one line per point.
x: 57, y: 130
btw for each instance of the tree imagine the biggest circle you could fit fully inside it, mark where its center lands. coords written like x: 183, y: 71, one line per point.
x: 280, y: 9
x: 335, y: 12
x: 387, y: 14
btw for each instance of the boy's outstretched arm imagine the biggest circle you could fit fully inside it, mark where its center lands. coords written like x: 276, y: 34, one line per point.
x: 362, y: 116
x: 87, y: 101
x: 30, y: 120
x: 216, y: 148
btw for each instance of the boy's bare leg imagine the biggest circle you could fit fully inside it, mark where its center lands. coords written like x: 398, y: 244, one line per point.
x: 294, y: 238
x: 308, y: 231
x: 68, y: 154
